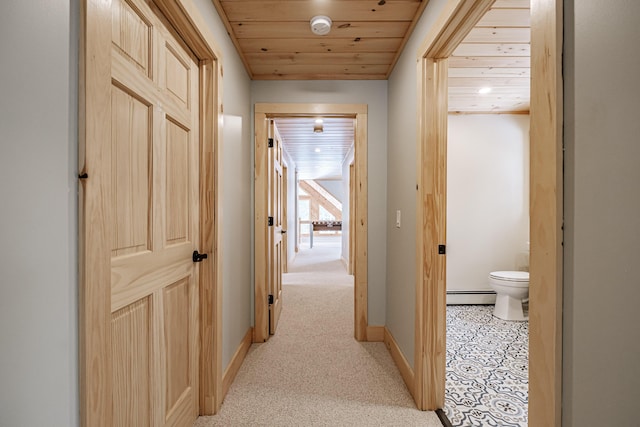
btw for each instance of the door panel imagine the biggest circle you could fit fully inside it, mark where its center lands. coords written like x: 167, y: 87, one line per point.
x: 275, y: 209
x: 130, y: 153
x: 131, y: 34
x: 177, y: 308
x: 155, y: 208
x: 177, y: 76
x: 131, y: 343
x: 177, y: 206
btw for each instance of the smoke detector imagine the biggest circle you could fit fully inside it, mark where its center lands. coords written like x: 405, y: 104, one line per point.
x: 320, y: 25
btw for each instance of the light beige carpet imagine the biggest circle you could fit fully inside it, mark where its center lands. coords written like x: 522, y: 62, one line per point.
x: 312, y: 372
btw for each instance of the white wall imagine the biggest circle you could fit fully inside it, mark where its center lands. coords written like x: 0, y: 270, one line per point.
x: 236, y: 237
x: 334, y: 187
x: 38, y: 226
x: 237, y: 197
x: 401, y: 195
x: 346, y: 207
x: 374, y: 94
x: 292, y: 209
x: 601, y: 376
x: 487, y: 199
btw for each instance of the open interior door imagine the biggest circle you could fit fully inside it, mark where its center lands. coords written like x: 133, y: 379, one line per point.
x: 275, y: 227
x: 150, y: 176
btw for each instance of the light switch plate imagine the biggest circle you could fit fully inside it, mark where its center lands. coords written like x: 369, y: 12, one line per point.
x: 398, y: 218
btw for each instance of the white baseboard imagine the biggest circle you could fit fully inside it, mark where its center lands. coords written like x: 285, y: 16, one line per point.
x: 471, y: 297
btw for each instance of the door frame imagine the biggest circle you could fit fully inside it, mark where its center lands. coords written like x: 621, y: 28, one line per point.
x: 263, y: 112
x: 94, y: 301
x: 352, y: 217
x: 545, y: 325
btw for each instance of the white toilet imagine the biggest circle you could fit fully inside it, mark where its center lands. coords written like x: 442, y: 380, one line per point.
x: 511, y: 288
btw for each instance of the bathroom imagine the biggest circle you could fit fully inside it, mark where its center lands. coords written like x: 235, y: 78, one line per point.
x: 487, y: 231
x: 487, y: 201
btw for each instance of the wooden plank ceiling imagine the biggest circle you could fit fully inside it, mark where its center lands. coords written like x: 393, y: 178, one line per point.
x: 275, y: 41
x: 494, y: 55
x: 317, y: 155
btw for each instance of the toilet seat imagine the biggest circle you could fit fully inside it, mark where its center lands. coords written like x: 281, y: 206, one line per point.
x: 510, y: 276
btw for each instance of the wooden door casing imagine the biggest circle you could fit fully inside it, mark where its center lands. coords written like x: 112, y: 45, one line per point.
x: 263, y: 114
x: 352, y: 216
x: 546, y: 212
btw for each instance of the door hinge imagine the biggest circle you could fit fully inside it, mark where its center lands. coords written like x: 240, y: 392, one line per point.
x: 270, y: 299
x: 270, y: 221
x: 270, y: 140
x: 442, y: 249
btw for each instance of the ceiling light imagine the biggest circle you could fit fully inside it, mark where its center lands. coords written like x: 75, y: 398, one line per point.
x: 484, y: 90
x: 319, y: 121
x: 320, y: 25
x: 317, y: 150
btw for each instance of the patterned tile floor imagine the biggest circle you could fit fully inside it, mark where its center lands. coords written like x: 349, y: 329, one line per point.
x: 487, y: 368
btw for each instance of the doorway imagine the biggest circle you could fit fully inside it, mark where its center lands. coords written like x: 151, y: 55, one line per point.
x: 487, y: 231
x: 487, y: 217
x: 458, y: 18
x: 264, y: 113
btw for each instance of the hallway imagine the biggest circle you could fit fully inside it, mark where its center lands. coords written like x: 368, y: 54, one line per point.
x: 312, y: 372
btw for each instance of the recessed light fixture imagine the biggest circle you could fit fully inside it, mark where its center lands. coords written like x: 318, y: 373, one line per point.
x: 317, y: 128
x: 319, y: 121
x: 484, y: 90
x: 320, y: 25
x: 317, y: 150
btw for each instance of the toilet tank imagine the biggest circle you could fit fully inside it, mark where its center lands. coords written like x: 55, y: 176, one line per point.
x: 522, y: 259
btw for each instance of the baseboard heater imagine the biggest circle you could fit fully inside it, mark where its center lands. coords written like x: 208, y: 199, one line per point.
x: 471, y: 297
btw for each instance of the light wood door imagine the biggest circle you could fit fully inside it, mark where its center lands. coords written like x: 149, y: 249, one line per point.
x: 154, y: 221
x: 275, y: 231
